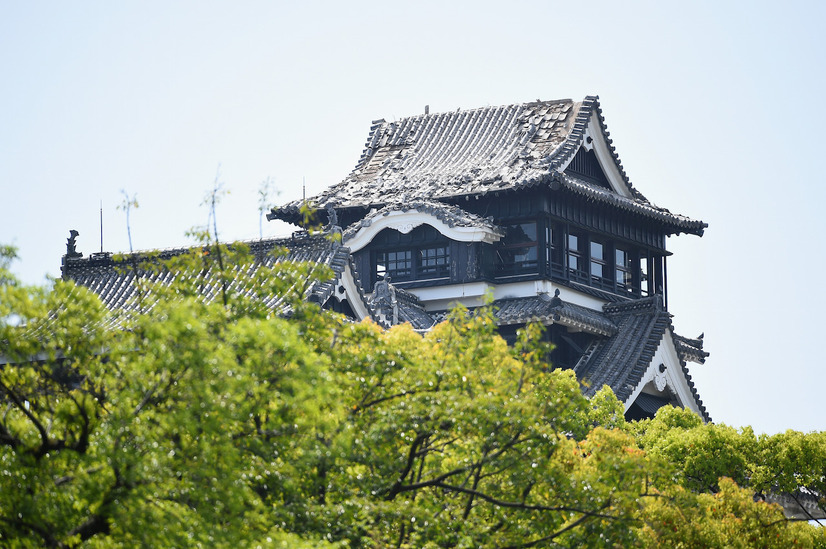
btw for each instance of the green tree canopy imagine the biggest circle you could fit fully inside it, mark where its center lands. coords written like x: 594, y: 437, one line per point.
x: 213, y: 423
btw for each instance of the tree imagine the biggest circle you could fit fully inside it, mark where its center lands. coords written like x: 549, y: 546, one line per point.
x: 211, y: 423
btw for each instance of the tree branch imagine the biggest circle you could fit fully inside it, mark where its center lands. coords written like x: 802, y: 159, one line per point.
x: 48, y: 539
x: 411, y: 457
x: 477, y: 472
x: 397, y: 488
x: 45, y: 443
x: 556, y: 534
x: 363, y: 406
x: 94, y: 525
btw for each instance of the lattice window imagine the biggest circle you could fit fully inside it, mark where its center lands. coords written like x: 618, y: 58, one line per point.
x: 398, y: 264
x: 434, y: 262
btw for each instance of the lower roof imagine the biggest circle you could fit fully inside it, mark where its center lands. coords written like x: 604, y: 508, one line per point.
x: 114, y: 278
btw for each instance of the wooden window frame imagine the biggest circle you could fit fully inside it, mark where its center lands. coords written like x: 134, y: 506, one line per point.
x: 415, y: 269
x: 628, y: 270
x: 383, y: 259
x: 440, y: 266
x: 578, y: 253
x: 601, y: 263
x: 506, y: 267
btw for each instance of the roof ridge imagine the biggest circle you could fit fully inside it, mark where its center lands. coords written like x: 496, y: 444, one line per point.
x: 109, y: 260
x: 548, y: 102
x: 654, y: 301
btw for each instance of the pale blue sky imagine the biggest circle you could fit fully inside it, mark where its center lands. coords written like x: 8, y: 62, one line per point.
x: 715, y: 109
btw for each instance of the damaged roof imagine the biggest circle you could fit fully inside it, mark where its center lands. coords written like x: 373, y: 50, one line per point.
x: 475, y: 152
x: 394, y: 306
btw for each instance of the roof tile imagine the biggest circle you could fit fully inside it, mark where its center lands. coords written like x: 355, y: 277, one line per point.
x: 473, y: 152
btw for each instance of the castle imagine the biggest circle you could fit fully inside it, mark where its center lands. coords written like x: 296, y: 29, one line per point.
x: 528, y: 204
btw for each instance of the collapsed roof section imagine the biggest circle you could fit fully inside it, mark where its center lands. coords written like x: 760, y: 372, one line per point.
x: 473, y: 153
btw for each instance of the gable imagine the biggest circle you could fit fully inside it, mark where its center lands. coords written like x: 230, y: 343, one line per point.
x: 667, y: 378
x: 642, y: 357
x: 591, y: 136
x: 585, y: 165
x: 450, y: 221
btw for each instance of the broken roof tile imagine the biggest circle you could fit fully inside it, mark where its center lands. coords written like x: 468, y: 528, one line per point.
x: 462, y: 153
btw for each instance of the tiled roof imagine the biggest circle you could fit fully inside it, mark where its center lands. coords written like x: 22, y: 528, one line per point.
x: 475, y: 152
x: 803, y: 504
x: 642, y: 207
x: 394, y: 306
x: 114, y: 280
x: 452, y: 216
x: 546, y: 309
x: 454, y: 153
x: 620, y: 361
x: 690, y: 349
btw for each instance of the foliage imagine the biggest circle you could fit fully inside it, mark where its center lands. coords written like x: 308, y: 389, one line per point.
x: 211, y: 422
x: 726, y: 518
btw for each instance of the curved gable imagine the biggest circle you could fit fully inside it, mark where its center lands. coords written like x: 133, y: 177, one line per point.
x: 450, y: 221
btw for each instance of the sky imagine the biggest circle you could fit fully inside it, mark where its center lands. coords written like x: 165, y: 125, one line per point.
x: 714, y: 108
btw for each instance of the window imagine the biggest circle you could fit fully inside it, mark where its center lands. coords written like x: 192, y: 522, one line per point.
x: 576, y: 257
x: 599, y: 265
x: 518, y: 249
x: 623, y: 271
x: 645, y: 282
x: 433, y: 262
x: 596, y: 261
x: 399, y: 265
x: 553, y: 240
